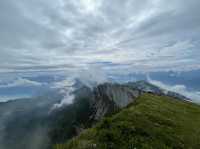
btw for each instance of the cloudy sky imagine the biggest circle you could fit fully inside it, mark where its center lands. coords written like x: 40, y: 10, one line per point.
x: 116, y: 35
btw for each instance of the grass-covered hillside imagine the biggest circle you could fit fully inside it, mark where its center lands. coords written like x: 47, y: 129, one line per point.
x: 151, y: 122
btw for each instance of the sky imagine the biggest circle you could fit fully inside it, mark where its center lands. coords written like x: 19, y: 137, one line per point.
x: 145, y: 35
x: 117, y: 37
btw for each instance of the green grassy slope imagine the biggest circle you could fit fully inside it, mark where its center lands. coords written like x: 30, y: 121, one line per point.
x: 152, y: 122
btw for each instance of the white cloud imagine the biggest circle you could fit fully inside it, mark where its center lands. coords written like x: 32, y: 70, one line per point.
x: 20, y: 82
x: 4, y: 98
x: 146, y: 35
x: 66, y: 87
x: 66, y: 83
x: 179, y: 88
x: 68, y: 97
x: 90, y: 6
x: 90, y: 77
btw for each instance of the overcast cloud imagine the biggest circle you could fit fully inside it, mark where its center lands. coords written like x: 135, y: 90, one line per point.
x: 116, y: 35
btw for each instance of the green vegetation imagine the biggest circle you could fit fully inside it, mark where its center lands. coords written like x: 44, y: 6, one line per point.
x: 152, y: 122
x: 66, y: 121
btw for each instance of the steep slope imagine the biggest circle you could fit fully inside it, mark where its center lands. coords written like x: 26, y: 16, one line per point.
x: 24, y: 122
x: 30, y: 124
x: 69, y: 120
x: 108, y: 98
x: 151, y: 122
x: 89, y: 107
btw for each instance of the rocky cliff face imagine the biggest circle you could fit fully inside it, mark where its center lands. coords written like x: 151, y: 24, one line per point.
x: 91, y: 105
x: 110, y: 97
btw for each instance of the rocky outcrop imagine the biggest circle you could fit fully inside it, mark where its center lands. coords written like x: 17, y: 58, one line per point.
x: 147, y: 87
x: 91, y: 105
x: 108, y: 97
x: 111, y: 97
x: 144, y: 86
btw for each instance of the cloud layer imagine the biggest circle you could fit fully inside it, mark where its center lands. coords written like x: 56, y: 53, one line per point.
x: 178, y: 88
x: 20, y: 82
x: 118, y: 36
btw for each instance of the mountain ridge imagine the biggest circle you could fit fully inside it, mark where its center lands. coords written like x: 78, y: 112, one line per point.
x: 150, y: 122
x: 109, y: 98
x: 61, y: 124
